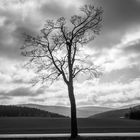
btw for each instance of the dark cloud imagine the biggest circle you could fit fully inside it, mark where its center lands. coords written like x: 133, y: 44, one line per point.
x: 11, y: 33
x: 10, y: 42
x: 135, y: 48
x: 57, y: 9
x: 120, y: 13
x: 4, y: 97
x: 58, y: 97
x: 40, y: 91
x: 37, y: 99
x: 23, y: 91
x: 11, y: 51
x: 118, y: 18
x: 20, y: 81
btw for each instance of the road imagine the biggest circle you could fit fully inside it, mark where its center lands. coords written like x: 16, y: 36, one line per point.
x: 68, y: 135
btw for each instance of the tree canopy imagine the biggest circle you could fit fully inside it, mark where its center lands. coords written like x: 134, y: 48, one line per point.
x: 50, y: 49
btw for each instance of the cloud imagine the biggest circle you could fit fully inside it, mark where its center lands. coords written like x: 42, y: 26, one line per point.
x: 124, y: 75
x: 113, y: 94
x: 116, y: 49
x: 119, y: 17
x: 3, y: 97
x: 13, y: 75
x: 27, y: 17
x: 116, y: 93
x: 19, y: 18
x: 122, y: 55
x: 57, y: 9
x: 37, y: 100
x: 4, y: 78
x: 133, y: 47
x: 22, y: 91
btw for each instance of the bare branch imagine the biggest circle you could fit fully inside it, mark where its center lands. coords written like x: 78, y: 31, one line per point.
x: 53, y: 53
x: 85, y: 24
x: 94, y: 72
x: 74, y: 53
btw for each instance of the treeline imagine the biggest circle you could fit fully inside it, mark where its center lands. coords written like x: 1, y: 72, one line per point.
x: 16, y: 111
x: 134, y: 113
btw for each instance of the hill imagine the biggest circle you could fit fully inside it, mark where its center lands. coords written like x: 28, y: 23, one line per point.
x: 82, y: 112
x: 113, y: 114
x: 134, y: 113
x: 16, y: 111
x: 129, y: 106
x: 86, y: 111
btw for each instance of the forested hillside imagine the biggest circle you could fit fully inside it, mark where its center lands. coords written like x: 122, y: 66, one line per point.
x: 133, y: 113
x: 16, y: 111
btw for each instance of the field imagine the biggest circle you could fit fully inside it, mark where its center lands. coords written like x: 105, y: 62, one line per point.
x: 26, y: 125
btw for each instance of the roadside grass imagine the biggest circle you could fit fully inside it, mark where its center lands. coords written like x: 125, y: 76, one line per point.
x: 79, y: 138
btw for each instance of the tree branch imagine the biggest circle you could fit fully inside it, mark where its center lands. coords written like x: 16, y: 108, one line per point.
x: 55, y: 49
x: 73, y: 58
x: 93, y: 71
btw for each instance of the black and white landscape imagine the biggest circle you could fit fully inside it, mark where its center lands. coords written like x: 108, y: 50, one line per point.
x: 69, y: 66
x: 26, y: 120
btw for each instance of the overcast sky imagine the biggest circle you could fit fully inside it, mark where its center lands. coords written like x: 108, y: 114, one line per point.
x: 116, y: 49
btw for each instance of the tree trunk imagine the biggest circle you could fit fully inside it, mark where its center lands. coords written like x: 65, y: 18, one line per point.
x: 74, y: 129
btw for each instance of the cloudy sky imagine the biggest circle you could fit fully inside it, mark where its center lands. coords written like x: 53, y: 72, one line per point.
x: 116, y: 49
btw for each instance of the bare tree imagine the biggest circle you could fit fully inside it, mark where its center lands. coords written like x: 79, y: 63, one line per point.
x: 55, y: 52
